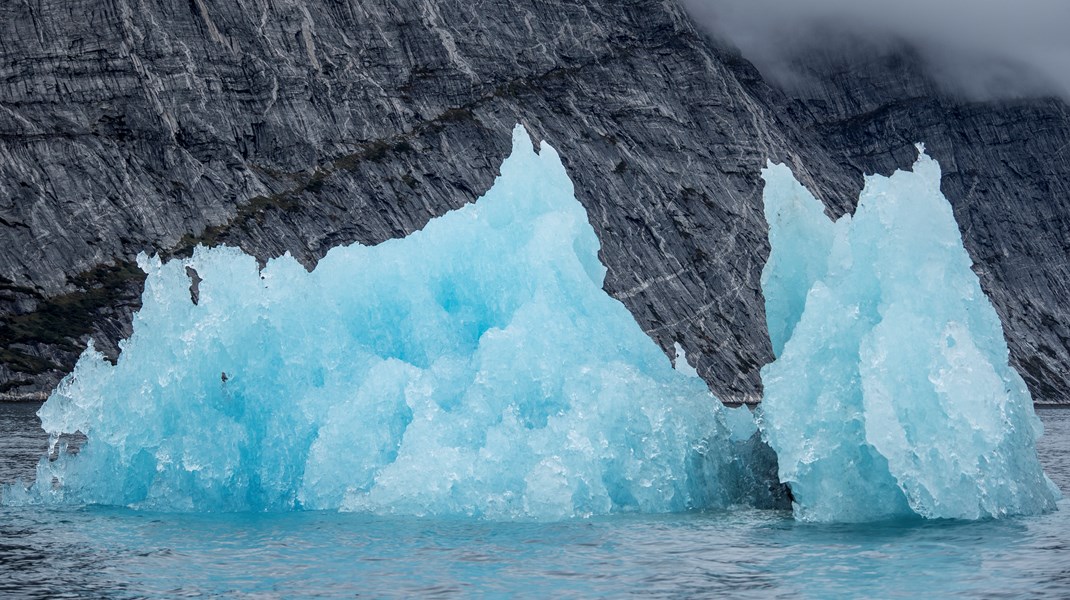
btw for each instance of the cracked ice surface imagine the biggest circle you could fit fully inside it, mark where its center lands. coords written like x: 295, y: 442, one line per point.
x: 891, y: 394
x: 473, y: 368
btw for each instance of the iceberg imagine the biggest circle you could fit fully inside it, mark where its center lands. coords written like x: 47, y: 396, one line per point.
x: 891, y: 394
x: 476, y: 367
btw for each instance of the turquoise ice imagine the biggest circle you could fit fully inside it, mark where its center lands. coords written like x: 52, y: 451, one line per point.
x: 476, y: 367
x: 891, y: 393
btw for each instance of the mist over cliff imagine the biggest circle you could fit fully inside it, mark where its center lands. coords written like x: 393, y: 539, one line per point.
x: 298, y: 126
x: 979, y: 49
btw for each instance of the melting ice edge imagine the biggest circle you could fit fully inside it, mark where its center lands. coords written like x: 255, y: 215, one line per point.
x: 478, y: 368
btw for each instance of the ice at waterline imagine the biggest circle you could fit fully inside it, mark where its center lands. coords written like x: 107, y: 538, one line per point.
x: 473, y: 368
x: 891, y: 394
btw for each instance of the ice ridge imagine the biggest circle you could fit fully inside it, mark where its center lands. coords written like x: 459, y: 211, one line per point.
x: 891, y: 394
x: 476, y: 367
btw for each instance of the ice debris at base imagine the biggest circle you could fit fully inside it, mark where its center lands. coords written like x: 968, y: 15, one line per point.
x: 891, y: 393
x: 473, y: 368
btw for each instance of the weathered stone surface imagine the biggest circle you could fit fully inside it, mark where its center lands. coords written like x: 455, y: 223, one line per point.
x: 298, y: 125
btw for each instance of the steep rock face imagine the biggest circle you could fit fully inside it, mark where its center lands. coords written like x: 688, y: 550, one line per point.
x: 294, y: 125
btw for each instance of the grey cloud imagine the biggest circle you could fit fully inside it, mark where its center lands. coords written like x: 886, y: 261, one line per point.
x: 980, y: 47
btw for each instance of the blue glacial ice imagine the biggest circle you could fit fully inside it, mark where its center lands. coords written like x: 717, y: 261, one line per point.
x: 891, y: 394
x: 476, y: 367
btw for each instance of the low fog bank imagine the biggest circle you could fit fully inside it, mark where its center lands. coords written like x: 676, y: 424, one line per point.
x: 983, y: 49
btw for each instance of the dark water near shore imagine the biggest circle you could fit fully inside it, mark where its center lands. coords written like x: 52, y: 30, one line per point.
x: 117, y: 553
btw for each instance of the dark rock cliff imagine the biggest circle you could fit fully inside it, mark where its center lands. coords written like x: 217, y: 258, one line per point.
x: 299, y: 125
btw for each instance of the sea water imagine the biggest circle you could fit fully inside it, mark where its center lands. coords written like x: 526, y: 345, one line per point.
x: 116, y: 553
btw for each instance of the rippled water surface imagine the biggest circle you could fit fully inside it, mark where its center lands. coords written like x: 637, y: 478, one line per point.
x: 98, y: 552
